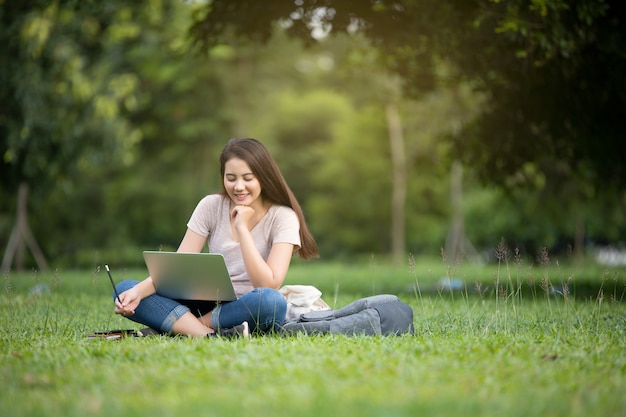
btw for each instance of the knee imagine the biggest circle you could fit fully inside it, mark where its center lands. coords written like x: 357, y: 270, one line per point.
x: 125, y: 285
x: 272, y: 302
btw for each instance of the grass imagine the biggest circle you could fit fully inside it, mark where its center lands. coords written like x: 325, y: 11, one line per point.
x: 514, y: 340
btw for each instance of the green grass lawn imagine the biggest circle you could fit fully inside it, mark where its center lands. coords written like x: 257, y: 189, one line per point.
x: 527, y: 349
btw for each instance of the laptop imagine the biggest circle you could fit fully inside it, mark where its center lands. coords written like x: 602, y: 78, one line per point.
x: 190, y: 276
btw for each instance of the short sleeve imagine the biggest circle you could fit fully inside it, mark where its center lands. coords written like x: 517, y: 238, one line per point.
x: 205, y: 215
x: 286, y: 227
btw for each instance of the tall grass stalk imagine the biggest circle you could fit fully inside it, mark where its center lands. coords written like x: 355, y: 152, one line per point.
x: 599, y: 299
x: 416, y: 284
x: 546, y: 285
x: 502, y: 254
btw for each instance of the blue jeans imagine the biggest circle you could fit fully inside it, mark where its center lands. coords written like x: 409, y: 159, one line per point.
x: 263, y: 308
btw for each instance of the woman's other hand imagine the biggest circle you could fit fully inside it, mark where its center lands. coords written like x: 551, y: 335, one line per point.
x: 130, y: 299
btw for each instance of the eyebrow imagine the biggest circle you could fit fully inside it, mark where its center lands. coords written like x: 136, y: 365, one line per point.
x: 232, y: 174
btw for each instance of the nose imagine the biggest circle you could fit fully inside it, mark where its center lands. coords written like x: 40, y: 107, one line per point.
x: 239, y: 185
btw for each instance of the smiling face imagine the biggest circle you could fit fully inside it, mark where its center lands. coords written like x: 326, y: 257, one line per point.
x: 241, y: 185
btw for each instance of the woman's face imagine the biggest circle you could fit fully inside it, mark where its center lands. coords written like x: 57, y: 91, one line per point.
x: 241, y: 184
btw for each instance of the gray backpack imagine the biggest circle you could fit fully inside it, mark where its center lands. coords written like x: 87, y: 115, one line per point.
x: 377, y: 315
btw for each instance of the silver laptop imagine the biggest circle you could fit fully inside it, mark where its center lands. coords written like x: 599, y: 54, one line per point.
x: 190, y: 276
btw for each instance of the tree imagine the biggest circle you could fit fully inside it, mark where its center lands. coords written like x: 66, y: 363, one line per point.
x: 552, y: 70
x: 21, y: 235
x: 59, y: 101
x: 100, y: 103
x: 343, y: 167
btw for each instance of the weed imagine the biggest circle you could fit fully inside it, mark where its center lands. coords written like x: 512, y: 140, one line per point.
x: 413, y: 273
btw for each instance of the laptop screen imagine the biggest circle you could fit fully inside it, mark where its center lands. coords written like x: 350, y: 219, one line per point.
x: 190, y: 276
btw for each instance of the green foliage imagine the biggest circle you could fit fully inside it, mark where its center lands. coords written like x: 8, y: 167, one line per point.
x: 116, y: 90
x: 531, y: 223
x: 334, y: 151
x: 63, y: 99
x: 551, y: 71
x: 305, y: 123
x: 116, y: 118
x: 354, y: 187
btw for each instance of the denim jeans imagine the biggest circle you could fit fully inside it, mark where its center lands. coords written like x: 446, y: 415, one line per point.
x: 263, y: 308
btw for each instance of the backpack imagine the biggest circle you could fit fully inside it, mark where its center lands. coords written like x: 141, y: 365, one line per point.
x: 377, y: 315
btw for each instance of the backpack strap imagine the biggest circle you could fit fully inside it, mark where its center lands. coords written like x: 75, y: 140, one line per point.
x: 352, y: 308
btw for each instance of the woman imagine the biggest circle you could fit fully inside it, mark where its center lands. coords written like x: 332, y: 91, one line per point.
x: 257, y: 224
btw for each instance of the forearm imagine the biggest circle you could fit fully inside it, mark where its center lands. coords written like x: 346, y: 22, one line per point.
x: 259, y: 272
x: 145, y: 288
x: 130, y: 299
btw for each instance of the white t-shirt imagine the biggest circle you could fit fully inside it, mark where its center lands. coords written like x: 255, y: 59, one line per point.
x: 211, y: 218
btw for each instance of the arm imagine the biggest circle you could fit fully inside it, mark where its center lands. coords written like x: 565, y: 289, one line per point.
x: 192, y: 242
x: 131, y: 298
x: 270, y: 274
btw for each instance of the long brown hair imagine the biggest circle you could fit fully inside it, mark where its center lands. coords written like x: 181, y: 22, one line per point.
x: 274, y: 188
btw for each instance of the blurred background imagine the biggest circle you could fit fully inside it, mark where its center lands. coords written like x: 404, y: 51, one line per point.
x: 403, y: 127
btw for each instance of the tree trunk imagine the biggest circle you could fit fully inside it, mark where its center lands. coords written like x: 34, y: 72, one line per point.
x: 21, y: 237
x: 579, y: 239
x: 455, y: 243
x: 399, y: 184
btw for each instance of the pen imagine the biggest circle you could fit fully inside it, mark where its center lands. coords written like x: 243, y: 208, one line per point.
x: 113, y: 284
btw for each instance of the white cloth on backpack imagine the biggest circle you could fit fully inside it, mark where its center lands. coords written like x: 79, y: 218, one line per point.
x: 302, y: 299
